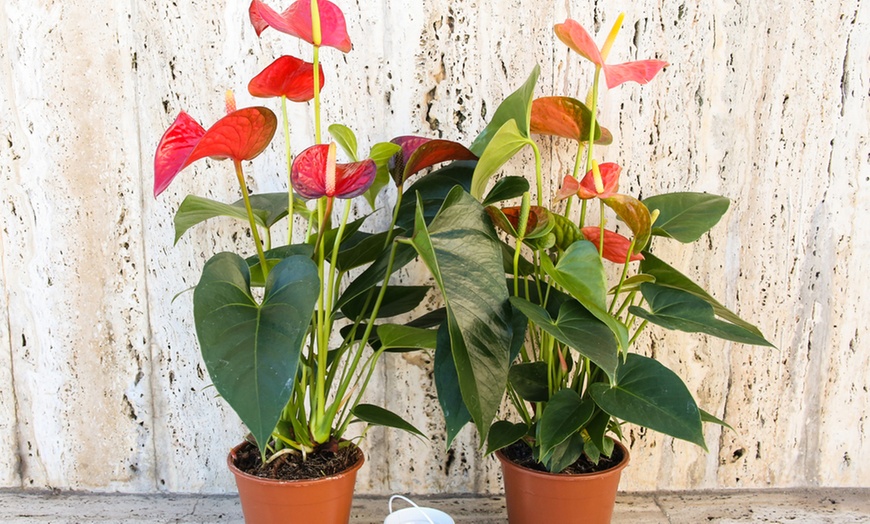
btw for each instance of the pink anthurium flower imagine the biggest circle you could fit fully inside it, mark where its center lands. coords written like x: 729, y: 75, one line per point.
x: 585, y: 189
x: 287, y: 76
x: 616, y: 246
x: 418, y: 153
x: 316, y: 174
x: 575, y: 37
x: 241, y: 135
x: 296, y: 21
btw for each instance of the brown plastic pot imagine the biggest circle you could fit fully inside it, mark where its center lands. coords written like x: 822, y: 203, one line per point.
x: 535, y: 497
x: 326, y: 500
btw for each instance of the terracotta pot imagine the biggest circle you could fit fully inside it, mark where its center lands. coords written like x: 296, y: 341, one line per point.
x: 535, y: 497
x: 326, y: 500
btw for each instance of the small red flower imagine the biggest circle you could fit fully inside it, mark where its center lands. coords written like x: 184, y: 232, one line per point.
x: 315, y: 174
x: 585, y: 189
x: 575, y: 37
x: 287, y: 76
x: 296, y: 21
x: 616, y: 246
x: 241, y: 135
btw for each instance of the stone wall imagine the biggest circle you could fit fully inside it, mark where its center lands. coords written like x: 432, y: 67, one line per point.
x: 766, y: 102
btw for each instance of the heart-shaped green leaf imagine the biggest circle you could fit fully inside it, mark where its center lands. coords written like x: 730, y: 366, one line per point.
x: 433, y: 189
x: 564, y: 415
x: 649, y: 394
x: 397, y: 300
x: 379, y: 416
x: 506, y: 143
x: 580, y: 272
x: 251, y: 349
x: 505, y: 189
x: 530, y: 381
x: 680, y: 310
x: 686, y: 216
x: 503, y: 433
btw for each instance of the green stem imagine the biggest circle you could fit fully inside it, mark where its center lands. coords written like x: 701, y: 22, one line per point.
x: 260, y: 254
x: 319, y: 409
x: 539, y: 180
x: 591, y: 143
x: 622, y: 277
x: 289, y: 155
x: 601, y: 228
x: 637, y: 333
x: 316, y: 93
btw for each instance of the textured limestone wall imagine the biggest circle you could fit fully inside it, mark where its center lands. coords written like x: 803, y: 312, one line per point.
x: 101, y: 385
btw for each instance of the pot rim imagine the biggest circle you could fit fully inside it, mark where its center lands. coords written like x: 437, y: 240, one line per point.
x: 231, y: 456
x: 506, y: 462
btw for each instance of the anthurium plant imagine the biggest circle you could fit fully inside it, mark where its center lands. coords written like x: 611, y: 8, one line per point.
x: 289, y: 339
x: 581, y: 294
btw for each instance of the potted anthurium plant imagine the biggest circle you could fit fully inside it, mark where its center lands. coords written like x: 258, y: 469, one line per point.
x: 573, y: 376
x: 289, y: 340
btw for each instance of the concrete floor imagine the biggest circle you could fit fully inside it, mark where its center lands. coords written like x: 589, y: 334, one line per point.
x: 816, y: 506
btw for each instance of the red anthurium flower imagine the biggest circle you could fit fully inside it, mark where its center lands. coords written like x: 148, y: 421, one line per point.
x: 418, y: 153
x: 296, y: 21
x: 287, y: 76
x: 569, y: 188
x: 241, y: 135
x: 315, y: 174
x: 575, y: 37
x: 609, y: 178
x: 538, y: 224
x: 616, y: 246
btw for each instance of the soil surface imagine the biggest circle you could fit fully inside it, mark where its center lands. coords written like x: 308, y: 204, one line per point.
x: 324, y: 462
x: 521, y: 454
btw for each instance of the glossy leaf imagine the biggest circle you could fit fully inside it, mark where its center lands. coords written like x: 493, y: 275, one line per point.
x: 667, y: 276
x: 396, y: 336
x: 346, y: 140
x: 564, y: 415
x: 567, y: 118
x: 632, y: 283
x: 577, y: 328
x: 616, y: 246
x: 708, y: 417
x: 364, y: 248
x: 315, y: 174
x: 433, y: 189
x: 456, y: 414
x: 397, y: 300
x: 273, y: 258
x: 505, y: 189
x: 575, y: 37
x: 503, y: 433
x: 565, y: 231
x: 379, y: 416
x: 631, y: 211
x: 529, y: 379
x: 649, y: 394
x: 418, y: 153
x: 287, y: 76
x: 506, y: 143
x: 680, y: 310
x: 375, y: 273
x: 580, y: 272
x: 463, y: 253
x: 251, y: 349
x: 241, y: 135
x: 686, y: 216
x: 565, y: 453
x: 296, y: 21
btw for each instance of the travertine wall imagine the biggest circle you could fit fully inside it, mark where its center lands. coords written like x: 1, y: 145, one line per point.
x: 766, y: 102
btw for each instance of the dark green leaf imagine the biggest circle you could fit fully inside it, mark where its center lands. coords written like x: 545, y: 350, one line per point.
x: 597, y: 429
x: 456, y: 414
x: 251, y: 349
x: 648, y: 394
x: 505, y: 189
x: 375, y: 273
x: 363, y: 248
x: 463, y: 253
x: 273, y: 257
x: 577, y: 328
x: 397, y: 300
x: 564, y: 415
x: 686, y: 216
x: 503, y: 433
x: 565, y: 453
x: 707, y: 417
x: 580, y: 272
x: 433, y: 189
x: 395, y: 336
x: 530, y: 381
x: 680, y: 310
x: 667, y: 276
x: 379, y: 416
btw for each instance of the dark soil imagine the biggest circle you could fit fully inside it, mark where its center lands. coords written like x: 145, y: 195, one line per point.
x: 324, y: 462
x: 521, y: 454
